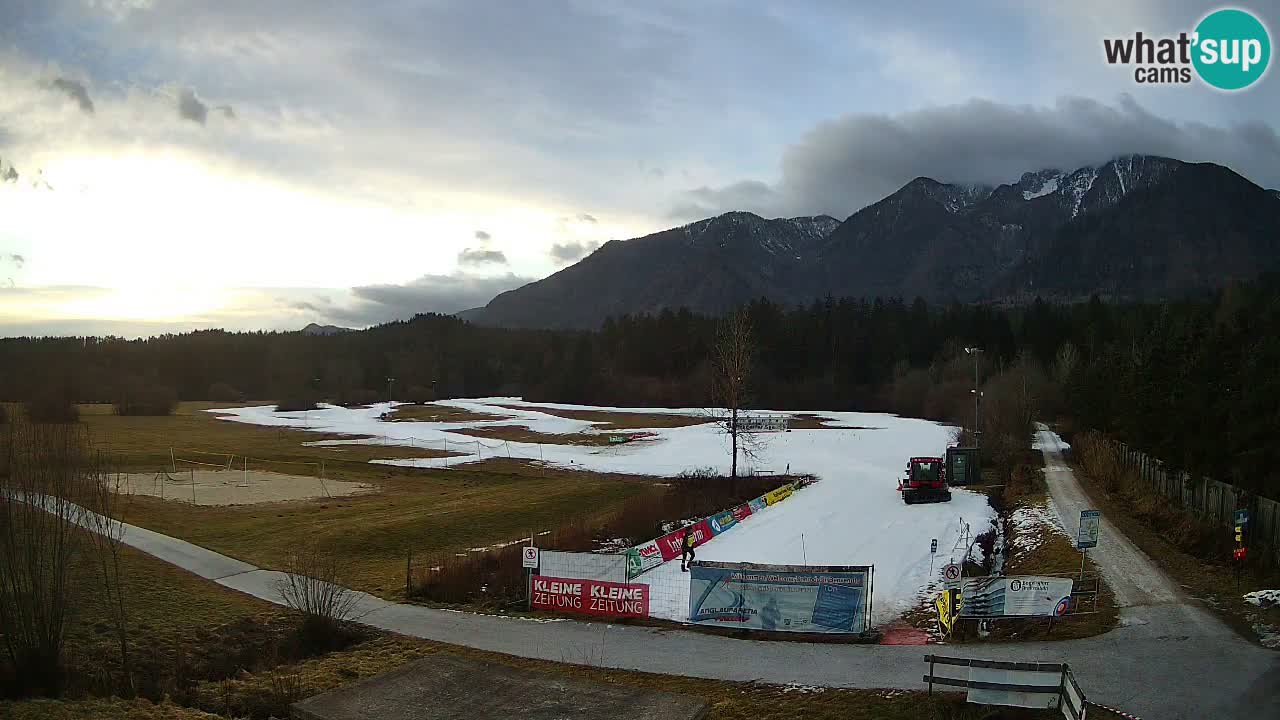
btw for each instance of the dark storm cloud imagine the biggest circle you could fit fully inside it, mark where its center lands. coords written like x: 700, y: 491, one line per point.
x: 845, y: 164
x: 191, y: 107
x: 76, y: 91
x: 429, y: 293
x: 481, y: 256
x: 571, y: 251
x: 483, y: 236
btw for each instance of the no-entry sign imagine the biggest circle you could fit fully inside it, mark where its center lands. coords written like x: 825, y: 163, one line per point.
x: 530, y: 557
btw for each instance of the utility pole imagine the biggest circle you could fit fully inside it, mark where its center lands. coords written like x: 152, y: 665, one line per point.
x: 975, y: 352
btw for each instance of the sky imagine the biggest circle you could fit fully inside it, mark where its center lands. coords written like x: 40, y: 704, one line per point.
x: 167, y: 165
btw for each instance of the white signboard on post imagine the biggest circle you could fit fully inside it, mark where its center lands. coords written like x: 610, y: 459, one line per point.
x: 762, y: 423
x: 1090, y: 525
x: 1015, y: 596
x: 530, y: 557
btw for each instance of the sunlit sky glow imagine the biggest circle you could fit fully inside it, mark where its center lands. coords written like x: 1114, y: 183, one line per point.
x: 249, y: 165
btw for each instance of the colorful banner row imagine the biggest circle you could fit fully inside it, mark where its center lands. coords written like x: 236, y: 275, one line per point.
x: 646, y: 556
x: 589, y: 597
x: 780, y: 598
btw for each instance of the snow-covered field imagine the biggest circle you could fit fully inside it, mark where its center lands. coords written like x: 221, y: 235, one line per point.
x: 852, y: 516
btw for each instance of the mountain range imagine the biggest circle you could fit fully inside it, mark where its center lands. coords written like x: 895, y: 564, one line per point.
x: 1138, y: 227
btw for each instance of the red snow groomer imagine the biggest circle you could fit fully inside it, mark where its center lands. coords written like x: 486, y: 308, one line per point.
x: 926, y: 481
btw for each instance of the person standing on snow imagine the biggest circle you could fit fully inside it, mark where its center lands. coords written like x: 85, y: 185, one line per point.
x: 686, y: 554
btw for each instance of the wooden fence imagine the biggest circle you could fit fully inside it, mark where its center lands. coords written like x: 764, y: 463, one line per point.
x: 1213, y: 500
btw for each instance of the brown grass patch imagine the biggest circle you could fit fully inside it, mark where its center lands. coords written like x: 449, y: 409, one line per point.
x: 440, y: 413
x: 616, y: 420
x: 517, y: 433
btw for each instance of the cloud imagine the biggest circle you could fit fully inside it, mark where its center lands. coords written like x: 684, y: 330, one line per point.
x: 568, y: 252
x: 76, y: 91
x: 429, y: 293
x: 750, y: 195
x: 481, y: 256
x: 17, y: 260
x: 191, y: 108
x: 842, y: 165
x: 584, y: 217
x: 483, y: 236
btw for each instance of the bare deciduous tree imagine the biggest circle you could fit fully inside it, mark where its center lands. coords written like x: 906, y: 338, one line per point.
x: 731, y: 363
x: 314, y: 586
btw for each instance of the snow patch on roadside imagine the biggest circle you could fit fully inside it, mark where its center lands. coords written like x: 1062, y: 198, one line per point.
x: 1263, y: 598
x: 1032, y: 525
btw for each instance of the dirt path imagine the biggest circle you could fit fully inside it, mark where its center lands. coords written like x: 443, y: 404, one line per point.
x: 1132, y: 575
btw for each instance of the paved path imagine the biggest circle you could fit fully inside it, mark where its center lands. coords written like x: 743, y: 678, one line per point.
x: 1168, y: 660
x: 1133, y: 577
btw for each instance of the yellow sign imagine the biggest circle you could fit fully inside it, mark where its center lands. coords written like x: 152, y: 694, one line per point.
x: 947, y: 604
x: 773, y: 497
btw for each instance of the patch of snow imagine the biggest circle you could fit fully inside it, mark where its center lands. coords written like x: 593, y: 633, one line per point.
x: 803, y: 689
x: 1263, y: 598
x: 853, y: 516
x: 1050, y: 186
x: 1268, y: 635
x: 1081, y: 183
x: 1032, y: 525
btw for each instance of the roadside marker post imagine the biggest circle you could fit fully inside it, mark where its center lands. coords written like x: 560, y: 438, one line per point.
x: 529, y: 559
x: 1240, y: 551
x: 933, y: 550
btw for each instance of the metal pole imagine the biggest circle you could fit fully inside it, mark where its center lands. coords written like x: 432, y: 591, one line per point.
x: 976, y: 419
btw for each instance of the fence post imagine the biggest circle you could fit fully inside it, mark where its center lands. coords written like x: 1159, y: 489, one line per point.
x: 930, y: 674
x: 408, y: 574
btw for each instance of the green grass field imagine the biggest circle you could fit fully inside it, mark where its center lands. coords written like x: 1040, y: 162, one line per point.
x: 430, y: 513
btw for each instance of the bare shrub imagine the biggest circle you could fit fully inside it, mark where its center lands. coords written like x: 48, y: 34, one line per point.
x: 42, y: 467
x: 314, y: 586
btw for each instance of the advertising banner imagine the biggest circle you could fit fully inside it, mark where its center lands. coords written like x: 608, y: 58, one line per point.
x: 723, y: 521
x: 741, y: 512
x: 773, y: 497
x: 643, y: 558
x: 590, y: 597
x: 671, y: 543
x: 784, y: 598
x: 758, y: 504
x: 1015, y: 596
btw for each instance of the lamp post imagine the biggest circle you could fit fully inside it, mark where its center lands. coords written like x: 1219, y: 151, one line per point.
x: 389, y: 381
x: 975, y: 352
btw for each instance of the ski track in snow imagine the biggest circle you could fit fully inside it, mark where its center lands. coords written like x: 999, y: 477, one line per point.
x: 852, y: 516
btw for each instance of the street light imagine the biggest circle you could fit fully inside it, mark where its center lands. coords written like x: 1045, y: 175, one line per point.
x: 389, y: 381
x: 975, y: 352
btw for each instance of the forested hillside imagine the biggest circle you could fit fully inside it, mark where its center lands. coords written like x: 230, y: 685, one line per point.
x: 1190, y: 381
